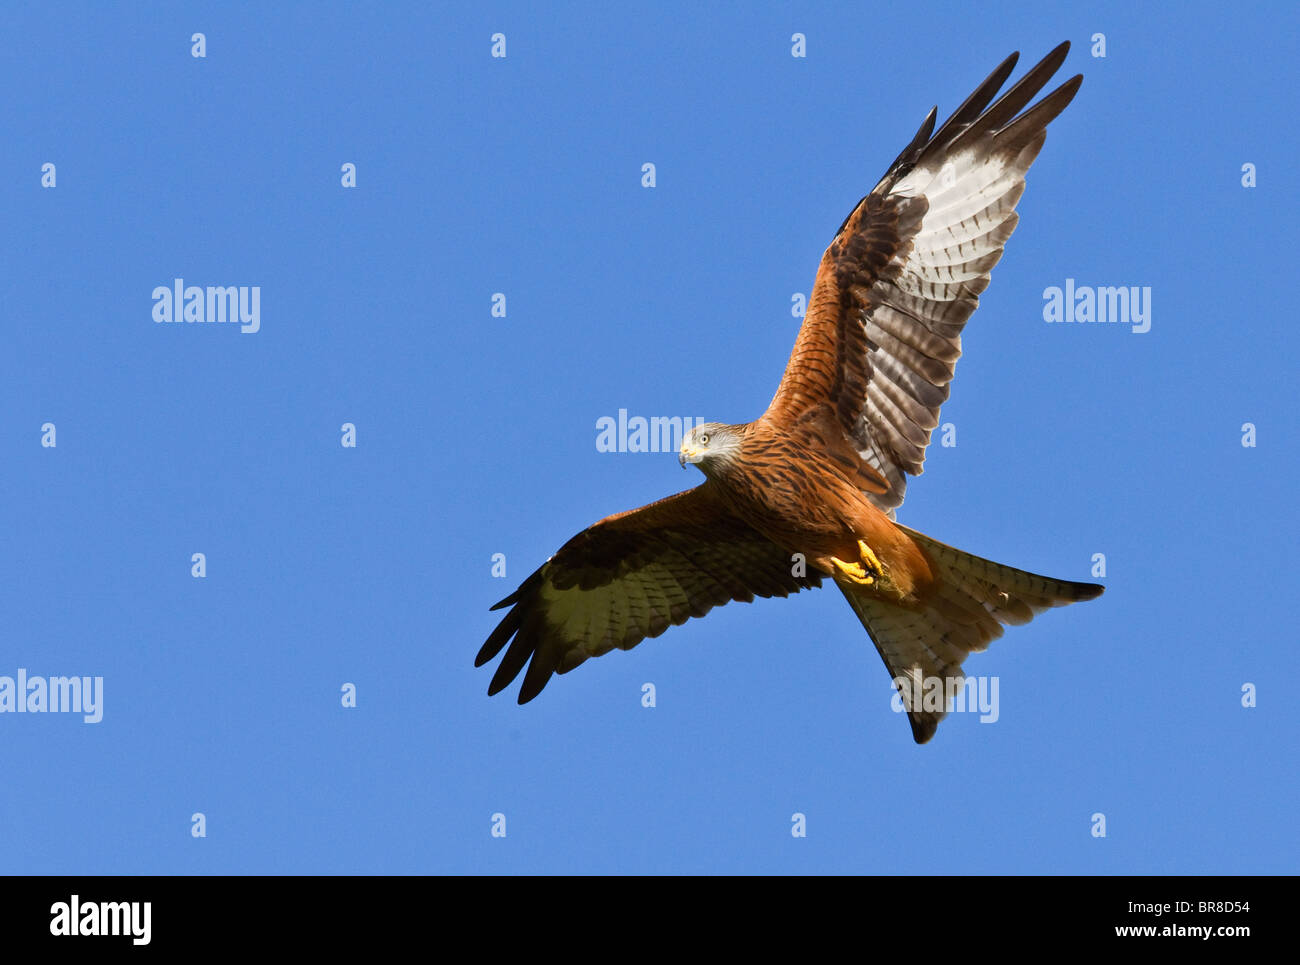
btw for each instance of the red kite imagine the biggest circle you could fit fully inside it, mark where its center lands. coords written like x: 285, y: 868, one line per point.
x: 809, y: 489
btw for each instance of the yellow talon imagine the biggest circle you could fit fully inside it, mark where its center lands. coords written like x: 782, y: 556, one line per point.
x: 853, y: 571
x: 862, y: 575
x: 869, y: 558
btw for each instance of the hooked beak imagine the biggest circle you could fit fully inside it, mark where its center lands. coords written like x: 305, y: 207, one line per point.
x: 688, y: 454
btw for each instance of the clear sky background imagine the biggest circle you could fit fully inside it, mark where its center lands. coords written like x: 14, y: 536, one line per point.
x: 476, y: 436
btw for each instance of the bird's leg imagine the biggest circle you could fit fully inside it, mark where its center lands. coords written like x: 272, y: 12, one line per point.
x: 864, y: 571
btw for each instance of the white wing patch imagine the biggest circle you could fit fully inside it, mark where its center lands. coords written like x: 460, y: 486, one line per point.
x: 918, y: 311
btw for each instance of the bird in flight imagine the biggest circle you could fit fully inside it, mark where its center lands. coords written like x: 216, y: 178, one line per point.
x: 808, y: 490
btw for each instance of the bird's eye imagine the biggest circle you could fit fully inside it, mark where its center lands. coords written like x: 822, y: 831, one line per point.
x: 704, y: 439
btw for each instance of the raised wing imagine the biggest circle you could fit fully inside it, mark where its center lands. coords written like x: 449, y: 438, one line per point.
x: 882, y: 334
x: 632, y: 576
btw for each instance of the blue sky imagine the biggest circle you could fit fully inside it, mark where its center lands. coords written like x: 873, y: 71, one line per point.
x: 475, y: 435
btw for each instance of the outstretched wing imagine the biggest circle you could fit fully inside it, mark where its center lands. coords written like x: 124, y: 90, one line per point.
x: 632, y: 576
x: 882, y: 333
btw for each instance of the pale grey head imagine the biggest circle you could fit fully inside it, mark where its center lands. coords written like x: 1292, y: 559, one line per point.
x: 712, y: 447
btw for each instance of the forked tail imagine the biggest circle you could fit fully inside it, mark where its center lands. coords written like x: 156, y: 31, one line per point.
x: 962, y: 614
